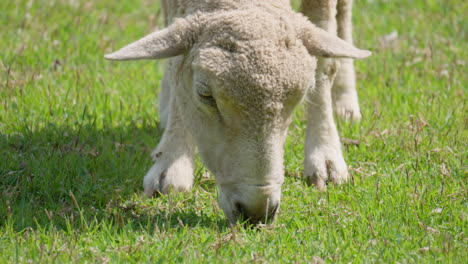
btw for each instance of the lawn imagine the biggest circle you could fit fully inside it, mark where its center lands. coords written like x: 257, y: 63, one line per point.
x: 76, y: 132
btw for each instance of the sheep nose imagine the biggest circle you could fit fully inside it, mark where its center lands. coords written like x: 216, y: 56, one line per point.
x: 255, y: 216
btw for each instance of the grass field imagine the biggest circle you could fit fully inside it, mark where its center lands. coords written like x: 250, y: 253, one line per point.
x: 76, y: 133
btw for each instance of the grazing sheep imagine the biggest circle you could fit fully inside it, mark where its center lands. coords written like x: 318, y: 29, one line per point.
x: 237, y: 69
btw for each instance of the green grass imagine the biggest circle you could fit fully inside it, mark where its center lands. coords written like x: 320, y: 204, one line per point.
x: 76, y: 132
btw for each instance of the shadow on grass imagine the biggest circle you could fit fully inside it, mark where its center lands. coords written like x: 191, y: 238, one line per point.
x: 162, y: 216
x: 59, y: 175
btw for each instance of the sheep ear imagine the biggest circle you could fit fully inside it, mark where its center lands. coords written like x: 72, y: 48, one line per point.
x: 169, y: 42
x: 321, y: 43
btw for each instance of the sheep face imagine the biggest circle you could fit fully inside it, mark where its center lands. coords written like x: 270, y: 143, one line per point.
x: 240, y: 91
x: 240, y: 88
x: 236, y: 84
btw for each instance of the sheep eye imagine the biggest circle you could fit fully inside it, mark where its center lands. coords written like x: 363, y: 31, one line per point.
x: 205, y: 95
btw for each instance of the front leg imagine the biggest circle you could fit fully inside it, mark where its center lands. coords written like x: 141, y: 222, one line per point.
x: 323, y: 157
x: 173, y: 157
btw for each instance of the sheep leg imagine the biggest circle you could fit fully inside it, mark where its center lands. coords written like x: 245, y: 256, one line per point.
x: 174, y: 157
x: 164, y: 100
x: 323, y: 157
x: 344, y: 94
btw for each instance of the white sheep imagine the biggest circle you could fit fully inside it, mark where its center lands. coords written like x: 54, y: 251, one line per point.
x: 237, y: 69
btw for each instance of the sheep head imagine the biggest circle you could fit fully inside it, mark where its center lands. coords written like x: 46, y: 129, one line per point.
x: 241, y: 74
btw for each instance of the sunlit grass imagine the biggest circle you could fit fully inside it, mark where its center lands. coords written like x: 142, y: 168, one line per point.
x: 76, y: 132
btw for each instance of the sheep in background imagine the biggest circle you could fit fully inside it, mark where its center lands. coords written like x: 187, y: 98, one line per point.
x: 237, y: 69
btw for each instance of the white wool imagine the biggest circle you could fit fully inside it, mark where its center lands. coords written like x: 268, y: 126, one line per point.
x: 236, y: 70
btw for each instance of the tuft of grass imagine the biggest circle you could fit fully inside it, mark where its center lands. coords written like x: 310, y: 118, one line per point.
x: 76, y: 132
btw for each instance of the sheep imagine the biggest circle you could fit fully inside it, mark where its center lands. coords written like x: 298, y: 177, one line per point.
x: 236, y: 71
